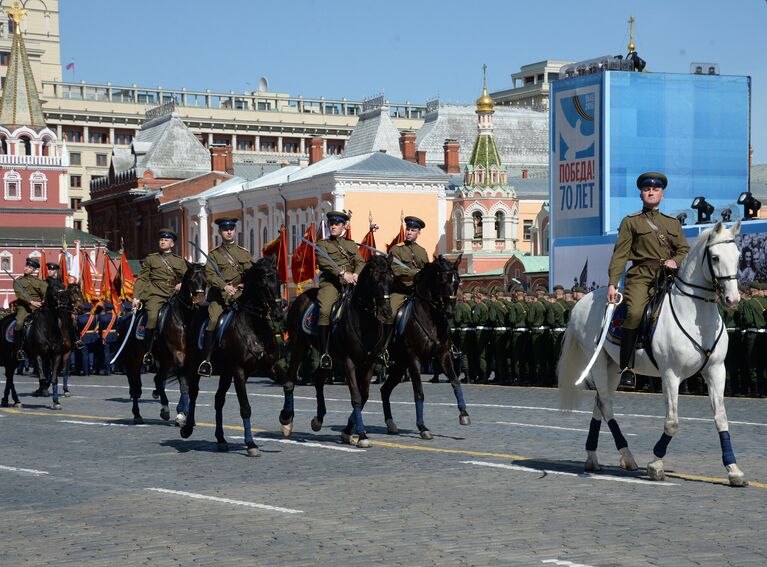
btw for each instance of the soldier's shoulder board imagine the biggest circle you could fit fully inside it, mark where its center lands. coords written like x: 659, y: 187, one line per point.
x: 400, y: 244
x: 636, y: 214
x: 670, y: 217
x: 243, y: 249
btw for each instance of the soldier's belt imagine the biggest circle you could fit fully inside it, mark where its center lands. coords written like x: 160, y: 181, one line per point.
x: 481, y: 328
x: 544, y: 328
x: 755, y: 330
x: 501, y: 328
x: 559, y: 329
x: 519, y: 329
x: 731, y: 329
x: 466, y: 329
x: 649, y: 263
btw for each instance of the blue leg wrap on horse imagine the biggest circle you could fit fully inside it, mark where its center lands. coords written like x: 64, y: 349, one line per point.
x: 289, y: 403
x: 620, y: 440
x: 359, y: 426
x: 419, y: 412
x: 66, y: 381
x: 248, y: 434
x: 728, y: 455
x: 183, y: 404
x: 459, y: 396
x: 660, y: 447
x: 592, y: 441
x: 55, y: 392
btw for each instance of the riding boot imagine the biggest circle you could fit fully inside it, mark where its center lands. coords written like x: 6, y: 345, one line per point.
x: 18, y: 343
x: 148, y: 343
x: 323, y: 334
x: 383, y: 358
x: 206, y: 368
x: 628, y: 342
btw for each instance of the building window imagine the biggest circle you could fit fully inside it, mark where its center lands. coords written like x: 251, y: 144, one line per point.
x: 268, y: 145
x: 78, y: 225
x: 476, y: 218
x: 246, y: 144
x: 123, y: 137
x: 98, y: 136
x: 527, y: 228
x: 74, y: 203
x: 252, y: 241
x: 5, y: 57
x: 264, y: 238
x: 221, y: 141
x: 101, y: 160
x: 500, y: 228
x: 12, y: 186
x: 290, y: 147
x: 74, y: 135
x: 38, y: 184
x: 75, y: 181
x: 75, y: 158
x: 335, y: 148
x: 6, y: 262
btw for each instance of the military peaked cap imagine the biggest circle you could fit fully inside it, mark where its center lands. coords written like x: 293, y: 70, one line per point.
x: 337, y: 216
x: 414, y: 222
x: 580, y: 289
x: 52, y: 266
x: 559, y: 286
x: 168, y: 233
x: 226, y: 224
x: 652, y: 179
x: 32, y: 263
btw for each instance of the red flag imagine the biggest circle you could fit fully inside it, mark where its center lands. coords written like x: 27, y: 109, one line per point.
x: 304, y: 263
x: 369, y: 240
x: 279, y: 247
x: 107, y: 293
x: 127, y: 279
x: 88, y: 287
x: 397, y: 239
x: 63, y: 269
x: 348, y: 234
x: 43, y: 265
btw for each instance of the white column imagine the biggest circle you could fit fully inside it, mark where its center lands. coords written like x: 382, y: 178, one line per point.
x: 488, y: 233
x: 203, y: 219
x: 468, y: 232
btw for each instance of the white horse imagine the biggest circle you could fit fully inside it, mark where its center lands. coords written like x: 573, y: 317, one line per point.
x: 689, y: 338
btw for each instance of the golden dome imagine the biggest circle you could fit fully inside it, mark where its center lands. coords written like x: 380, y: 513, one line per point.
x: 485, y: 103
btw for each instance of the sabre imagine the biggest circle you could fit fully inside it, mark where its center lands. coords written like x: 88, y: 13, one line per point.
x: 127, y: 336
x: 321, y: 252
x: 10, y: 275
x: 209, y: 260
x: 608, y: 317
x: 382, y: 253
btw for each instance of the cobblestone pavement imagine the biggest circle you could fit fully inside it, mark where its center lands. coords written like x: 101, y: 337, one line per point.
x: 83, y: 486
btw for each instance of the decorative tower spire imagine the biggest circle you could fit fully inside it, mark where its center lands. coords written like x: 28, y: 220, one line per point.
x: 485, y: 168
x: 20, y: 103
x: 631, y: 45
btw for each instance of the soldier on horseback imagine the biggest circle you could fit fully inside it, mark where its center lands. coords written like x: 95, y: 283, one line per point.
x: 652, y: 241
x: 30, y: 292
x: 232, y: 261
x: 413, y: 256
x: 160, y: 277
x: 340, y: 267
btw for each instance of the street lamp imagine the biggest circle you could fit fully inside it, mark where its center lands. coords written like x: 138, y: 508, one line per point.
x: 704, y: 208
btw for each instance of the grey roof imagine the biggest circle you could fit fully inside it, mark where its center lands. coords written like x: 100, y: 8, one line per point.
x: 166, y: 147
x: 520, y: 134
x: 379, y: 163
x: 374, y: 132
x: 251, y: 171
x: 47, y: 237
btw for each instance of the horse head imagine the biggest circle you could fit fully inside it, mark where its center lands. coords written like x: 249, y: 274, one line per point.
x: 441, y: 277
x: 374, y: 286
x: 194, y: 284
x: 722, y: 256
x: 56, y: 295
x: 262, y: 287
x: 75, y: 294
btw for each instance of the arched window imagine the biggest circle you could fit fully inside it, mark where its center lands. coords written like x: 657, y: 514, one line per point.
x: 476, y: 218
x: 264, y: 236
x: 12, y: 182
x: 252, y: 243
x: 25, y: 148
x: 500, y: 222
x: 3, y: 146
x: 6, y: 261
x: 38, y: 186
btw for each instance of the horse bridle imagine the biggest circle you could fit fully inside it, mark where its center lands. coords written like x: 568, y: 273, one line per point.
x: 718, y: 286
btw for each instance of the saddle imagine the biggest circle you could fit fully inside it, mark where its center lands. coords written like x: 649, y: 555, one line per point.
x: 310, y: 316
x: 403, y: 316
x: 223, y: 323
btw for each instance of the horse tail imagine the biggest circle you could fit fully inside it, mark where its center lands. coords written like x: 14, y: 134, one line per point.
x: 571, y: 361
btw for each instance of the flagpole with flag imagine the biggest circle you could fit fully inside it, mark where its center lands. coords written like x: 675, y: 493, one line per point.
x: 369, y: 239
x: 88, y: 288
x: 401, y: 236
x: 43, y: 265
x: 303, y: 263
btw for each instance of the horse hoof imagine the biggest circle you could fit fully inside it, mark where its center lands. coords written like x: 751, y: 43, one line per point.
x: 164, y: 413
x: 45, y: 393
x: 391, y: 427
x: 180, y: 420
x: 186, y: 432
x: 346, y: 439
x: 18, y: 405
x: 253, y: 452
x: 56, y: 406
x: 155, y: 394
x: 138, y: 420
x: 592, y: 464
x: 655, y: 470
x: 426, y: 434
x: 316, y: 424
x: 287, y: 429
x: 222, y: 447
x: 66, y: 393
x: 363, y: 443
x: 736, y: 476
x: 464, y: 419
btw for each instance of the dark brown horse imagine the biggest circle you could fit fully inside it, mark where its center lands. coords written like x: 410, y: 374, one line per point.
x: 170, y: 348
x: 356, y: 341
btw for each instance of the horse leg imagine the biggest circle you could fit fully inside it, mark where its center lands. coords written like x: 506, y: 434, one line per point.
x: 194, y: 390
x: 242, y: 397
x: 394, y: 377
x: 65, y: 379
x: 159, y: 387
x: 288, y: 385
x: 10, y: 388
x: 592, y: 441
x: 182, y: 407
x: 224, y: 381
x: 671, y: 396
x: 715, y: 378
x: 355, y: 419
x: 606, y: 380
x: 447, y: 367
x: 133, y: 373
x: 319, y: 389
x: 55, y: 382
x: 364, y: 388
x: 415, y: 380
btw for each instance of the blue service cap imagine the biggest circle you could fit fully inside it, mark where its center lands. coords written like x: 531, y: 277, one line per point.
x: 168, y: 233
x: 32, y: 263
x: 227, y: 223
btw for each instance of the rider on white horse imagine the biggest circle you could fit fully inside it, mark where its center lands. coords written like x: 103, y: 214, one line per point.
x: 651, y: 240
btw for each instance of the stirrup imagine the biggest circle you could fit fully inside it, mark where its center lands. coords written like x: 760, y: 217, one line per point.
x: 384, y: 358
x: 79, y: 344
x: 326, y: 363
x: 148, y: 359
x: 21, y: 355
x: 455, y: 352
x: 628, y: 378
x: 205, y: 369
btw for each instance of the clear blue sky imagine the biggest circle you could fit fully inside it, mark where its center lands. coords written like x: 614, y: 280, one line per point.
x: 411, y: 50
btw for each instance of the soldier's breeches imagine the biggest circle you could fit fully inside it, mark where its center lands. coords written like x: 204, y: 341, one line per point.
x: 21, y: 315
x: 636, y: 295
x: 152, y: 304
x: 326, y: 297
x: 215, y: 309
x: 397, y: 300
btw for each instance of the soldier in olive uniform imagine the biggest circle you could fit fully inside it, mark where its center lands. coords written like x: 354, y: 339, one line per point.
x: 500, y: 311
x: 340, y: 267
x: 557, y: 320
x: 414, y: 257
x: 731, y: 319
x: 520, y: 338
x: 481, y: 317
x: 755, y: 323
x: 30, y: 292
x: 651, y: 240
x: 232, y: 261
x: 463, y: 335
x: 536, y: 322
x: 161, y: 275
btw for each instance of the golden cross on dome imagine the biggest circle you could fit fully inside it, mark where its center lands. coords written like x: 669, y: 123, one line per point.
x: 484, y: 76
x: 17, y: 13
x: 632, y: 47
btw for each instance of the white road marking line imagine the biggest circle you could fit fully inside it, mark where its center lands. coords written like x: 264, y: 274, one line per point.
x: 21, y: 470
x: 311, y: 444
x: 564, y: 563
x: 445, y: 404
x: 101, y: 423
x: 554, y: 427
x: 226, y: 501
x: 563, y: 473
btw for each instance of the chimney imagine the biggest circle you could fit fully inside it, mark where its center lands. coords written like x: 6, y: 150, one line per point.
x: 420, y: 157
x: 221, y: 159
x: 407, y: 145
x: 525, y: 173
x: 315, y: 150
x: 452, y: 148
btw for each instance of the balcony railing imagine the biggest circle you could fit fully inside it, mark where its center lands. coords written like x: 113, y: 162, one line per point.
x: 7, y: 159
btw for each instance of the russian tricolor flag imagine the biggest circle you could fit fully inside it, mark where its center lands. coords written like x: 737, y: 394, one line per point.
x: 71, y: 66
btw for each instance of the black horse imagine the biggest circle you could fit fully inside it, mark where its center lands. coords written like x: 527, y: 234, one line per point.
x: 170, y: 348
x: 8, y: 360
x: 356, y: 341
x: 424, y: 335
x: 49, y: 339
x: 247, y: 343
